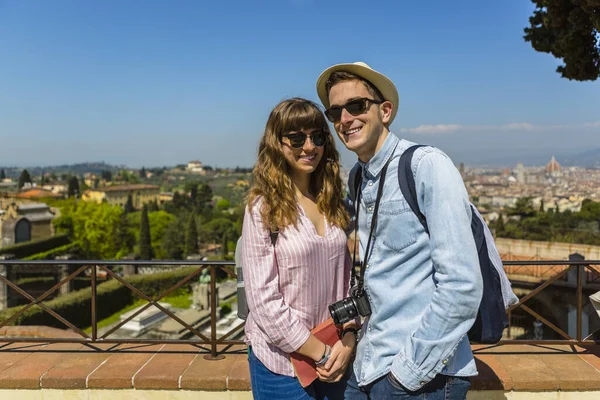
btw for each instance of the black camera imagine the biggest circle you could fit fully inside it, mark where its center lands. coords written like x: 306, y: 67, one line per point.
x: 347, y: 309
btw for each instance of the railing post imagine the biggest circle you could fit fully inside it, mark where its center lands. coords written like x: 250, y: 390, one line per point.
x: 94, y: 319
x: 6, y: 272
x: 62, y: 272
x: 213, y: 316
x: 580, y: 270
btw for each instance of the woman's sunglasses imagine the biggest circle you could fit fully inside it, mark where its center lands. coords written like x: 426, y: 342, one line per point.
x: 354, y: 107
x: 297, y: 139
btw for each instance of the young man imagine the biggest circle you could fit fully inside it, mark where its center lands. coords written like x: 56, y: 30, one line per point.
x: 424, y: 289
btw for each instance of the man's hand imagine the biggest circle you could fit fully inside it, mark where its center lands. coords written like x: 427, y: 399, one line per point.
x: 341, y: 354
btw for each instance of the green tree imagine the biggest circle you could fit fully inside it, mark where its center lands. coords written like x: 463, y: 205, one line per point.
x: 225, y: 244
x: 173, y: 239
x: 73, y: 187
x: 193, y: 191
x: 223, y: 204
x: 124, y: 238
x: 523, y: 208
x: 106, y: 175
x: 24, y: 178
x: 570, y: 31
x: 499, y: 225
x: 2, y: 175
x: 191, y: 237
x: 145, y: 243
x: 153, y: 206
x: 205, y: 195
x: 214, y: 230
x: 143, y: 173
x: 82, y: 185
x: 542, y: 205
x: 159, y: 222
x: 129, y: 208
x: 92, y: 226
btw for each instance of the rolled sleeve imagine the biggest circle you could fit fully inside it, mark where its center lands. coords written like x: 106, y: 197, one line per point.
x: 266, y: 303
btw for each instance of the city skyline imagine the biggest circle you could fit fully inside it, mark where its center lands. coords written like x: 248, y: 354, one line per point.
x: 151, y: 84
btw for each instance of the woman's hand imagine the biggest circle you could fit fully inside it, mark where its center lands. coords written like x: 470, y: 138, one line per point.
x: 341, y: 354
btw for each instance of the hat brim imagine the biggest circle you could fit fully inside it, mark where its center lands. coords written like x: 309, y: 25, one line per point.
x: 381, y: 82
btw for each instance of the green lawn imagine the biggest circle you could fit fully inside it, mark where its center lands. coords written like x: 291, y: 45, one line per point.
x: 178, y: 299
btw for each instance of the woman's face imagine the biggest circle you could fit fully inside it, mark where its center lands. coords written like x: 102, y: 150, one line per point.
x: 303, y: 149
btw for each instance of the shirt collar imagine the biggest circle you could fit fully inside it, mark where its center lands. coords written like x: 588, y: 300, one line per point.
x: 374, y: 166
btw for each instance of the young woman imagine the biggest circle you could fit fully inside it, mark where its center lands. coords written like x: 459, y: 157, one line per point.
x: 297, y: 191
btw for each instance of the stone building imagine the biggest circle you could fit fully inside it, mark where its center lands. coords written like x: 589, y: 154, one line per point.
x: 24, y: 222
x: 117, y: 195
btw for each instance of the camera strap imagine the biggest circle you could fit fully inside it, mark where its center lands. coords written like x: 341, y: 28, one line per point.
x: 361, y: 277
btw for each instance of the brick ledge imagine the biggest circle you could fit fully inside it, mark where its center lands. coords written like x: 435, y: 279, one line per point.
x: 183, y: 367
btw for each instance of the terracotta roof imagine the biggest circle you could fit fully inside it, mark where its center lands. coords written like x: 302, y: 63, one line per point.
x: 36, y: 193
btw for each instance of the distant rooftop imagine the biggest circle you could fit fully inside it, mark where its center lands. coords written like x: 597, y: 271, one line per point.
x: 36, y: 193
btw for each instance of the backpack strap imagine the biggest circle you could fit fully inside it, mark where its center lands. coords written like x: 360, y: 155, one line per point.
x: 355, y: 180
x: 406, y: 180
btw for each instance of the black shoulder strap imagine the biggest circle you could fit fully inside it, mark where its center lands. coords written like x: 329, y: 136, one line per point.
x: 274, y: 236
x: 355, y: 181
x: 406, y: 180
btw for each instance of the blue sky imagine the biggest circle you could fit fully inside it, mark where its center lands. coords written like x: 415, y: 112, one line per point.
x: 162, y: 82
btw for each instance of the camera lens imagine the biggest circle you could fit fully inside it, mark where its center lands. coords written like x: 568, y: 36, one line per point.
x: 343, y: 311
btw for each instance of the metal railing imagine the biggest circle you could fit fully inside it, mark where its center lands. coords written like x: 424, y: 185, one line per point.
x: 586, y: 274
x: 94, y: 267
x: 584, y: 269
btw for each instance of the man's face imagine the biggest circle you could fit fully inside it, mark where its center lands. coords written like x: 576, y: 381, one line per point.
x: 365, y: 133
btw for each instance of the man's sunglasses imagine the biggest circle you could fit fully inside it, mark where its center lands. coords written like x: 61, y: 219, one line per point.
x: 297, y: 139
x: 355, y: 107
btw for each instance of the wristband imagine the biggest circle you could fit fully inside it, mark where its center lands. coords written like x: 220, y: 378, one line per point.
x: 325, y: 357
x: 350, y: 329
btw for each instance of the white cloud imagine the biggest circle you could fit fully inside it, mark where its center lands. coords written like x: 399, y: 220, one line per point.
x: 442, y: 129
x: 433, y: 129
x: 518, y: 126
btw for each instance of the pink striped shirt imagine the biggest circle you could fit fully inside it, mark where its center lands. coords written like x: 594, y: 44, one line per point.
x: 288, y: 294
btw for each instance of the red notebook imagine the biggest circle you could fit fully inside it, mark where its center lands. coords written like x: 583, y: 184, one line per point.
x: 304, y: 366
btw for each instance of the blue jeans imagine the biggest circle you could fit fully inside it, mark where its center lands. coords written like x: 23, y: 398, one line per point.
x: 442, y: 387
x: 267, y: 385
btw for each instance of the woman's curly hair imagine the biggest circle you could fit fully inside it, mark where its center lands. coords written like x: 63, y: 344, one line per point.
x: 272, y: 174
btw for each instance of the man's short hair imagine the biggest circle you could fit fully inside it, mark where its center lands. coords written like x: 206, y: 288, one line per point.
x: 342, y: 76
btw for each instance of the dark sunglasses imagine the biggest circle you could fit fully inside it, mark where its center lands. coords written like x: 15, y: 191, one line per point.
x: 354, y: 107
x: 297, y: 139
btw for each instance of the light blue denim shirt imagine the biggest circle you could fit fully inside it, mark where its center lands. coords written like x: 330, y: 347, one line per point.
x: 424, y: 291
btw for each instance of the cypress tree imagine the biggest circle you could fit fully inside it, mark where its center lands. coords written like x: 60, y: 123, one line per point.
x: 73, y: 188
x: 146, y: 252
x: 191, y: 237
x: 124, y: 240
x: 24, y: 178
x: 129, y: 208
x: 225, y: 244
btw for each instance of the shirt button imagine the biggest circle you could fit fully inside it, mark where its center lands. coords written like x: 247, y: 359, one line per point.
x: 367, y: 266
x: 421, y: 383
x: 370, y: 208
x: 369, y: 329
x: 370, y: 183
x: 444, y: 362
